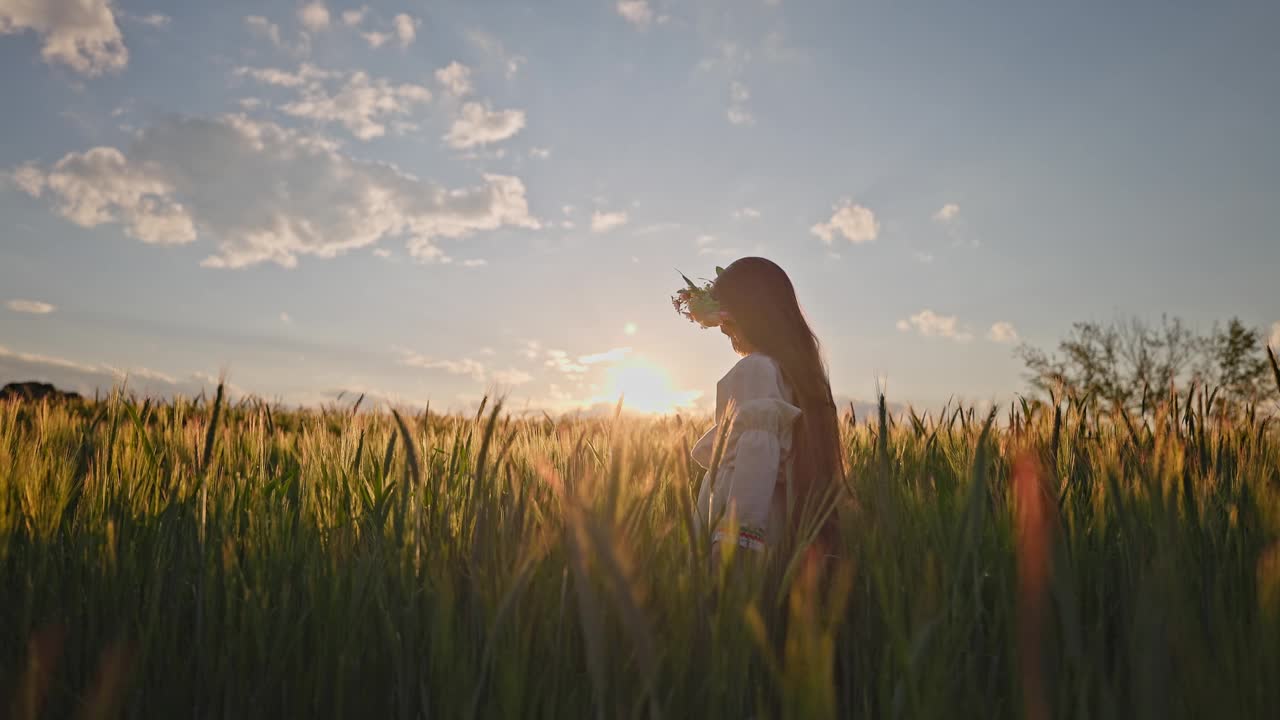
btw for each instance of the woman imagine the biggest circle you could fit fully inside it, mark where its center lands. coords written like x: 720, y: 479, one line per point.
x: 775, y: 446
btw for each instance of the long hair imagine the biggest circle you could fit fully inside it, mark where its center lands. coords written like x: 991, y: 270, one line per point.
x: 761, y: 302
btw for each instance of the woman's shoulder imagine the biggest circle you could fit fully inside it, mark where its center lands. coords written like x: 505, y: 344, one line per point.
x: 759, y: 393
x: 755, y: 374
x: 756, y: 363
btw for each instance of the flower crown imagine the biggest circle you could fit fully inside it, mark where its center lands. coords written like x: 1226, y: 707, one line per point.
x: 695, y: 303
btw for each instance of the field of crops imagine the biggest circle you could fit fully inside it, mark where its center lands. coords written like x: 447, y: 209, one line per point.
x: 206, y: 559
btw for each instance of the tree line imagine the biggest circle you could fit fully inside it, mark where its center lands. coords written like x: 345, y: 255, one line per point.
x: 1135, y: 363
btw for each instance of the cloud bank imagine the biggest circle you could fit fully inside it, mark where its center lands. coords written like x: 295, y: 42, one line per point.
x: 80, y: 34
x: 265, y: 193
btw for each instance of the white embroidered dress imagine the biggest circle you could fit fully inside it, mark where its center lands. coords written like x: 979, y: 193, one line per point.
x: 755, y: 464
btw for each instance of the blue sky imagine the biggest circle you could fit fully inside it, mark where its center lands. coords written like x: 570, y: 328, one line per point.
x: 428, y: 200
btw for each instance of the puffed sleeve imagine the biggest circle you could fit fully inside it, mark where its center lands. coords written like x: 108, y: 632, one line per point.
x: 759, y: 423
x: 705, y: 447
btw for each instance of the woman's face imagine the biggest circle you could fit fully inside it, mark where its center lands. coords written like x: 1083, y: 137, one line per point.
x: 731, y: 331
x: 730, y: 328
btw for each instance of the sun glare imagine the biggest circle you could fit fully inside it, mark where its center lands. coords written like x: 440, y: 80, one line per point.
x: 645, y: 388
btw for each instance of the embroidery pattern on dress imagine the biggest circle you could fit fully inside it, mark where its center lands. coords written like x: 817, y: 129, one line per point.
x: 749, y: 537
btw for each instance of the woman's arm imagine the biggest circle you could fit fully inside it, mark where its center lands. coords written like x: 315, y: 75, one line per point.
x: 758, y: 419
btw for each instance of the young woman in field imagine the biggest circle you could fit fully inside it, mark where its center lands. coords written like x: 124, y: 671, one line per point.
x: 773, y: 455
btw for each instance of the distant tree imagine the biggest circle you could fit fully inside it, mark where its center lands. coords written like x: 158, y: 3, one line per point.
x: 1123, y: 361
x: 1236, y: 362
x: 1130, y: 361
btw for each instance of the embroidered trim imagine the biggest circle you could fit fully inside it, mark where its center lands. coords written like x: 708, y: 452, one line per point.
x: 748, y: 537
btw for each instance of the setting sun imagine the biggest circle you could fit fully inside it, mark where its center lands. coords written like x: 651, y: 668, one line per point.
x: 645, y: 387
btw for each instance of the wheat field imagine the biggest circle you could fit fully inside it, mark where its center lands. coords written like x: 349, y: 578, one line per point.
x: 199, y: 558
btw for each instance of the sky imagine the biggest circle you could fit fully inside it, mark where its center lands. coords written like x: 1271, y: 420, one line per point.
x: 428, y: 201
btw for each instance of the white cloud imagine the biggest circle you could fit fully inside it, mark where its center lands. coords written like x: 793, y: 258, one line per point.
x: 740, y: 116
x: 465, y: 366
x: 314, y: 16
x: 155, y: 20
x: 307, y: 74
x: 531, y: 349
x: 478, y: 125
x: 541, y: 153
x: 604, y: 222
x: 930, y: 324
x: 560, y: 360
x: 662, y: 227
x: 1275, y: 337
x: 636, y: 12
x: 511, y: 376
x: 29, y: 179
x: 948, y: 216
x: 376, y: 39
x: 406, y: 29
x: 347, y: 392
x: 608, y: 356
x: 730, y: 57
x: 707, y: 247
x: 354, y: 18
x: 363, y: 105
x: 1003, y: 332
x: 491, y: 46
x: 738, y: 113
x: 947, y: 213
x: 475, y: 262
x: 558, y: 398
x: 456, y: 78
x: 746, y: 213
x: 856, y: 223
x: 85, y: 378
x: 100, y: 186
x: 33, y: 307
x: 268, y: 193
x: 80, y: 34
x: 260, y: 26
x: 284, y: 318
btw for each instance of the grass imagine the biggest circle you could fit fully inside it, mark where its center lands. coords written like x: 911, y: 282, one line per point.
x: 201, y: 559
